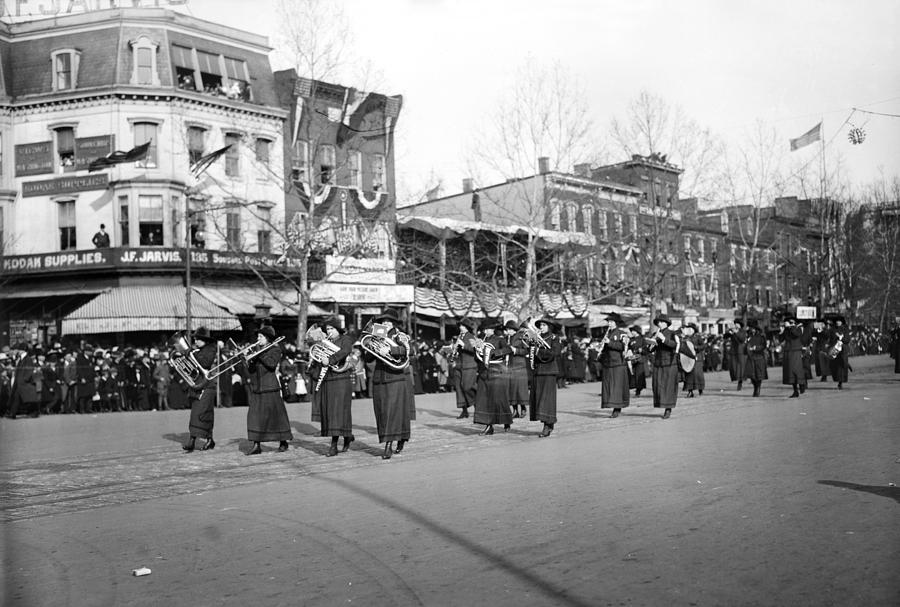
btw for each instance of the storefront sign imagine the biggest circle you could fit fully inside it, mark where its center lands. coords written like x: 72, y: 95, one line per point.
x: 806, y: 313
x: 65, y: 185
x: 88, y: 149
x: 366, y: 270
x: 362, y: 293
x: 34, y: 158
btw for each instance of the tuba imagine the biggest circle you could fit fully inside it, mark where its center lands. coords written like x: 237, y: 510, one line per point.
x: 321, y: 349
x: 375, y: 341
x: 182, y: 359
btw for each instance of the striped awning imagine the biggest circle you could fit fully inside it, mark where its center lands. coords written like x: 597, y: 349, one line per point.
x: 473, y: 304
x: 243, y: 300
x: 146, y: 308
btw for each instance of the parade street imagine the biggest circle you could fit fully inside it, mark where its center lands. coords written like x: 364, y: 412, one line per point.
x: 733, y: 501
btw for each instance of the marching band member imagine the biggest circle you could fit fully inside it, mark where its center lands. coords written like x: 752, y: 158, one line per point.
x: 465, y: 374
x: 737, y: 355
x: 840, y: 364
x: 694, y: 379
x: 492, y: 395
x: 637, y: 379
x: 203, y: 398
x: 792, y: 371
x: 391, y: 391
x: 756, y: 356
x: 331, y: 403
x: 517, y: 369
x: 543, y: 386
x: 614, y: 391
x: 267, y: 418
x: 665, y: 366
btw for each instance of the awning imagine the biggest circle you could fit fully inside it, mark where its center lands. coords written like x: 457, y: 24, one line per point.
x: 475, y: 304
x: 146, y: 308
x: 243, y: 300
x: 13, y: 293
x: 443, y: 228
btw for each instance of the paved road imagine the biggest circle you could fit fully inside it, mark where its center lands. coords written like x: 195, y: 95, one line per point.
x: 733, y: 501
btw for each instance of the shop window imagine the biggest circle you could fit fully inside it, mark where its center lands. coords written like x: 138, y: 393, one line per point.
x: 196, y: 142
x: 264, y: 229
x: 378, y: 172
x: 65, y: 148
x: 233, y: 227
x: 124, y: 221
x: 144, y: 132
x: 67, y: 225
x: 326, y: 164
x: 233, y: 155
x: 144, y: 70
x: 150, y: 218
x: 65, y: 69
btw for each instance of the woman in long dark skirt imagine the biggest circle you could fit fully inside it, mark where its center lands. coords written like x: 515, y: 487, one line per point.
x: 392, y: 392
x: 492, y: 395
x: 267, y: 418
x: 543, y: 378
x: 757, y: 369
x: 332, y: 400
x: 840, y: 364
x: 665, y: 366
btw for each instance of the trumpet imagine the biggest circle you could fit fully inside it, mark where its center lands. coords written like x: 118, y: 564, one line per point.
x: 184, y: 361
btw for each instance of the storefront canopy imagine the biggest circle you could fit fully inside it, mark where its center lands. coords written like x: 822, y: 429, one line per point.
x: 443, y: 228
x: 469, y: 304
x: 243, y: 300
x: 146, y: 308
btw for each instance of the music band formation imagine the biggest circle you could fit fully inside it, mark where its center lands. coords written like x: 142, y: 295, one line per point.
x: 501, y: 371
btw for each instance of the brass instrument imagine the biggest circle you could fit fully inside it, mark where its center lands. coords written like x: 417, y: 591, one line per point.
x: 483, y: 351
x: 184, y: 362
x: 375, y: 341
x: 321, y: 349
x: 531, y: 335
x: 835, y: 350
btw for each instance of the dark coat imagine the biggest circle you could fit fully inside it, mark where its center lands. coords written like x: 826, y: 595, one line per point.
x: 614, y: 392
x: 267, y: 418
x: 85, y: 376
x: 465, y: 373
x: 518, y: 368
x: 26, y: 379
x: 665, y: 370
x: 792, y: 371
x: 840, y: 365
x: 757, y: 369
x: 737, y: 354
x: 492, y: 395
x: 331, y: 403
x: 391, y: 395
x: 543, y: 386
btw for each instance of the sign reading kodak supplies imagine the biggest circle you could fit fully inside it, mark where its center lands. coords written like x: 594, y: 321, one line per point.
x: 34, y: 158
x: 65, y: 185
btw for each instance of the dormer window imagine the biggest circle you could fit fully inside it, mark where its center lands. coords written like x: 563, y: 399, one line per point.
x: 144, y: 70
x: 65, y: 69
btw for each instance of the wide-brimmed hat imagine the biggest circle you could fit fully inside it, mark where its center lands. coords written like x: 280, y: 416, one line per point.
x: 511, y: 324
x: 267, y: 330
x: 550, y: 322
x: 389, y: 314
x: 202, y: 333
x: 738, y: 321
x: 467, y: 323
x: 332, y: 321
x: 636, y: 329
x: 491, y: 323
x: 615, y: 317
x: 693, y: 326
x: 662, y: 318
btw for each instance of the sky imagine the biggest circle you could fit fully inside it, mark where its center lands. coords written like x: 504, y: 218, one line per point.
x: 727, y: 65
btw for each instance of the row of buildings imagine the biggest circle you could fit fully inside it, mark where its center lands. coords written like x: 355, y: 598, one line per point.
x: 299, y: 210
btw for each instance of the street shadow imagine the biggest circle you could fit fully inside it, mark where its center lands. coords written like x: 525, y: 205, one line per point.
x: 591, y: 414
x: 305, y: 429
x: 368, y: 429
x: 180, y: 437
x: 654, y: 415
x: 436, y: 413
x: 554, y: 593
x: 464, y: 430
x: 879, y: 490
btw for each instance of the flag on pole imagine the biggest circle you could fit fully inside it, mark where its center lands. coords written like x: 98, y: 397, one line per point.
x: 199, y: 167
x: 119, y: 157
x: 812, y: 135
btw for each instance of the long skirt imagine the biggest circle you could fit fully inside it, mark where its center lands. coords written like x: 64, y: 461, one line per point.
x: 492, y: 399
x: 695, y: 380
x: 331, y: 406
x: 267, y: 418
x: 736, y: 364
x: 792, y: 370
x: 614, y: 390
x: 637, y: 380
x: 839, y: 368
x: 391, y: 402
x: 518, y: 386
x: 665, y: 386
x: 756, y: 368
x: 203, y: 412
x: 543, y: 399
x: 464, y: 381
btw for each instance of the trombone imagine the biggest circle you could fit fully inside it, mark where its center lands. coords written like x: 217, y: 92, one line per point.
x: 184, y: 361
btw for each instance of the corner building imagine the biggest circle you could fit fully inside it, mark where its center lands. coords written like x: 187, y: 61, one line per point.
x: 77, y: 87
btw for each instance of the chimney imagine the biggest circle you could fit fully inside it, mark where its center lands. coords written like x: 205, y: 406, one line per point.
x: 468, y: 185
x: 543, y: 165
x: 583, y: 170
